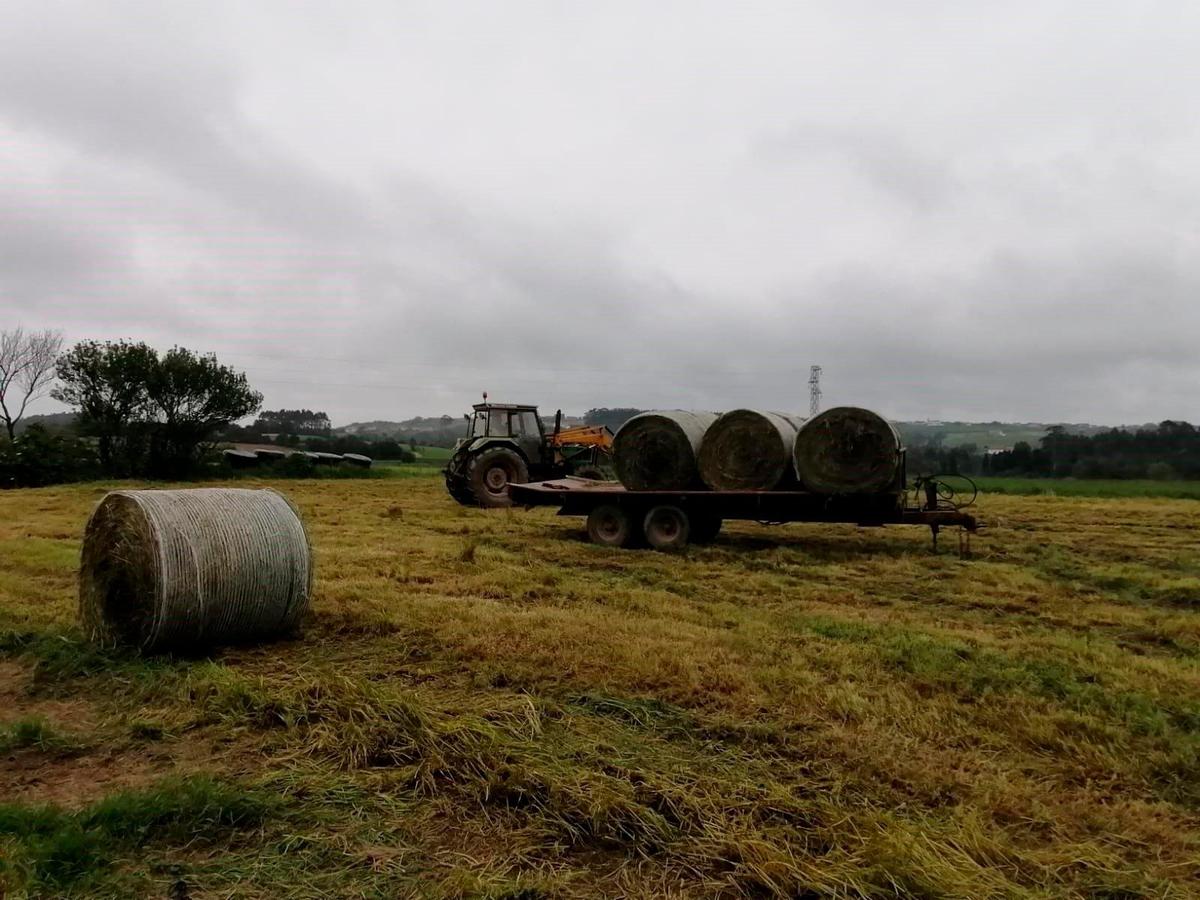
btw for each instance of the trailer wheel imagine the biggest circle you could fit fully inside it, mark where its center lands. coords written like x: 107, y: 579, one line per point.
x: 704, y: 529
x: 610, y: 526
x: 667, y: 528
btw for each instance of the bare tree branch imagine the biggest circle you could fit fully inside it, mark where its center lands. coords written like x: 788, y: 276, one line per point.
x: 26, y: 370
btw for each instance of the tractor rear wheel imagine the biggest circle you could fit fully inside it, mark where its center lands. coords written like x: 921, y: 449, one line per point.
x: 491, y: 472
x: 610, y: 526
x: 667, y: 528
x: 460, y: 489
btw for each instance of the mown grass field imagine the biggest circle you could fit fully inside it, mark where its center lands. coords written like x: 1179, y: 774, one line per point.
x: 484, y: 705
x: 426, y: 456
x: 1090, y: 487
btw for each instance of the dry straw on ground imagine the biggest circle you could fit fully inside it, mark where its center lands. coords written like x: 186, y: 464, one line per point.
x: 186, y: 569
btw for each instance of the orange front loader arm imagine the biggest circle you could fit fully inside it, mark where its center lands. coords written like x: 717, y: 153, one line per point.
x: 583, y: 436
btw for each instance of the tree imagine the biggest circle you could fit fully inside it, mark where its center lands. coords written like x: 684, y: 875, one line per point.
x: 192, y: 397
x: 291, y: 421
x: 107, y: 383
x: 613, y: 418
x: 38, y: 457
x: 26, y: 370
x: 152, y: 415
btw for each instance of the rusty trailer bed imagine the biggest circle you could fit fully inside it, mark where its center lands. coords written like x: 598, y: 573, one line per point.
x: 581, y: 497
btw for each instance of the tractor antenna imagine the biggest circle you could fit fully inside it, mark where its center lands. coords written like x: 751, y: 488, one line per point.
x: 814, y: 391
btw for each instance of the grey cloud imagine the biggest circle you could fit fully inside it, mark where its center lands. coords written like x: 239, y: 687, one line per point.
x: 396, y: 247
x: 886, y: 161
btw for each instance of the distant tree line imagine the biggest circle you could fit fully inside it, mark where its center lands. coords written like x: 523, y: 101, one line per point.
x: 613, y: 418
x: 311, y: 430
x: 443, y: 432
x: 1166, y: 451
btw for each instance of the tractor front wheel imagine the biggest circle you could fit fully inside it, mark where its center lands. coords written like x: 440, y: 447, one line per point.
x: 491, y: 472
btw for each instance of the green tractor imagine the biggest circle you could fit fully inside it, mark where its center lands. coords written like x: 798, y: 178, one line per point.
x: 507, y: 443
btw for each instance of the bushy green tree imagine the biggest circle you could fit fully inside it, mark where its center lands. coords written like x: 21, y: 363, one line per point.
x: 38, y: 457
x: 107, y: 384
x: 192, y: 397
x: 151, y: 415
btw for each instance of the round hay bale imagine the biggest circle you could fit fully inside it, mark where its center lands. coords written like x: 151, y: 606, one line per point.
x: 188, y: 569
x: 749, y: 450
x: 656, y: 451
x: 847, y: 450
x: 357, y: 459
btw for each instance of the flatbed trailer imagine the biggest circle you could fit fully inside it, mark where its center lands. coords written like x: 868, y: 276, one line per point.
x: 669, y: 520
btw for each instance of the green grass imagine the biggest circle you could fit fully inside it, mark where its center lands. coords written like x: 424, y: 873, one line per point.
x: 1089, y: 487
x: 485, y: 705
x: 426, y: 457
x: 33, y: 732
x: 397, y: 469
x: 51, y: 849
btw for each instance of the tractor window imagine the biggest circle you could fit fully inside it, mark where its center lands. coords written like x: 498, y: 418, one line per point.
x: 525, y: 424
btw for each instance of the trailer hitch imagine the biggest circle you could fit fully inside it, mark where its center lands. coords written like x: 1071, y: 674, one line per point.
x: 940, y: 492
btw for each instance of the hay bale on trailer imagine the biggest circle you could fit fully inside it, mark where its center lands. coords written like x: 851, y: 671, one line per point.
x: 188, y: 569
x: 847, y: 450
x: 657, y: 450
x: 749, y: 450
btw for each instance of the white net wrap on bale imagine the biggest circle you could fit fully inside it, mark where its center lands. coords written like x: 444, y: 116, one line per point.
x: 183, y: 570
x: 749, y: 450
x: 656, y: 451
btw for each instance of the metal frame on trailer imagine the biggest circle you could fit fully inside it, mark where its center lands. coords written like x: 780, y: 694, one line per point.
x: 581, y: 497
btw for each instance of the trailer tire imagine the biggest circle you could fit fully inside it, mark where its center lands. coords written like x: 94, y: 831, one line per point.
x: 704, y: 528
x: 491, y: 472
x: 667, y: 528
x: 610, y: 526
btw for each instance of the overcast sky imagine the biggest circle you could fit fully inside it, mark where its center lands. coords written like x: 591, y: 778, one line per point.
x: 961, y: 210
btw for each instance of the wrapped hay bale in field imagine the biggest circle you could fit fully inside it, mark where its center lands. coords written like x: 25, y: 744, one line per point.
x: 749, y: 450
x: 188, y: 569
x: 656, y: 451
x: 847, y: 450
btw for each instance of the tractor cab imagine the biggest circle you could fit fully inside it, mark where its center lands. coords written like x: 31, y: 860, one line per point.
x: 513, y: 422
